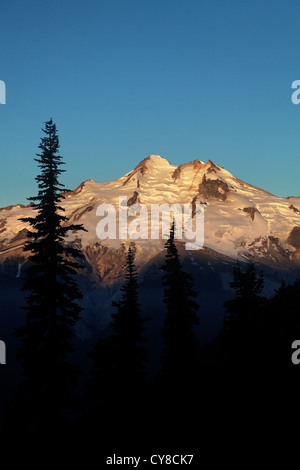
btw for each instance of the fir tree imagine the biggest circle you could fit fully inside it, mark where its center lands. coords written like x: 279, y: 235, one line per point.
x: 120, y: 359
x: 242, y: 334
x: 181, y: 349
x: 52, y: 309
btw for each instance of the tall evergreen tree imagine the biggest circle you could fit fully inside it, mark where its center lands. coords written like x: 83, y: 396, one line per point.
x: 120, y: 359
x: 241, y: 337
x: 52, y: 308
x: 181, y: 348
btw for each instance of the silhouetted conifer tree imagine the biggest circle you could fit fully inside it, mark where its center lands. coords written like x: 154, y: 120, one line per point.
x: 243, y: 332
x: 119, y: 360
x: 180, y: 348
x: 52, y: 308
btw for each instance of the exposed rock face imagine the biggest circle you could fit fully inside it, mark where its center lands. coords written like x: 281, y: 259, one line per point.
x: 2, y: 225
x: 106, y: 265
x: 251, y: 211
x: 213, y: 188
x: 294, y: 237
x: 78, y: 213
x: 294, y: 208
x: 133, y: 199
x: 294, y: 240
x: 22, y: 235
x: 212, y: 167
x: 270, y: 250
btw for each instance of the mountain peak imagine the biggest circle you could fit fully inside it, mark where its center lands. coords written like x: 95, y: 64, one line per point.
x: 157, y: 159
x: 152, y: 162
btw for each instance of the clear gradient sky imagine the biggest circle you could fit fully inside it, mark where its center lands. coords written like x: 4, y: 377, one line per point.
x: 124, y: 79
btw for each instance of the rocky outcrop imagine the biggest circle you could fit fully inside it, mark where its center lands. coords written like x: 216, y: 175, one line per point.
x: 215, y: 188
x: 2, y: 225
x: 22, y: 235
x: 294, y: 208
x: 251, y: 211
x: 78, y: 213
x: 212, y: 167
x: 133, y: 199
x: 106, y: 265
x: 268, y: 250
x: 294, y: 237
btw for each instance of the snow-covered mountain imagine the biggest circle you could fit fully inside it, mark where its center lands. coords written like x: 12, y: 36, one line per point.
x: 240, y: 220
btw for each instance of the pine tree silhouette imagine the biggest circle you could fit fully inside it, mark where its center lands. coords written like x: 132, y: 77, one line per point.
x: 242, y: 334
x: 120, y: 359
x: 52, y: 308
x: 181, y: 349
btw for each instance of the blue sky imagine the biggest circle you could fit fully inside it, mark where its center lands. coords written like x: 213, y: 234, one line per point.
x: 124, y: 79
